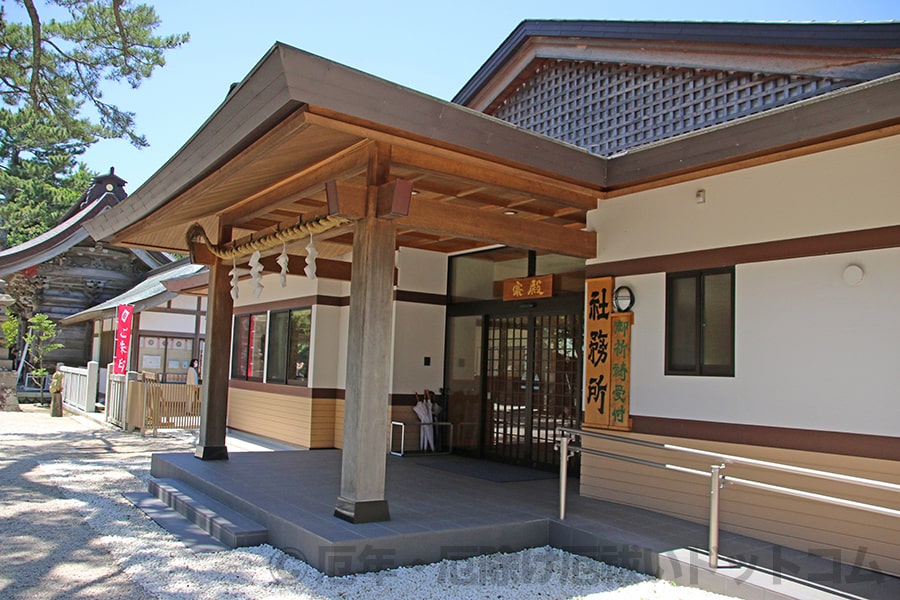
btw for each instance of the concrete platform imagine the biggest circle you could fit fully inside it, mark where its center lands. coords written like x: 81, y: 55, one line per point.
x: 439, y: 513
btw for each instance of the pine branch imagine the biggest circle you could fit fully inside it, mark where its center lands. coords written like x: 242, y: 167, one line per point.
x: 35, y: 50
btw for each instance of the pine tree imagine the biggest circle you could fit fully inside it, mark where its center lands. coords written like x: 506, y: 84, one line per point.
x: 40, y: 178
x: 51, y: 77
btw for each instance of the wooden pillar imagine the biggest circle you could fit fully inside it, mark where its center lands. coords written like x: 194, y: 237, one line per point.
x: 214, y: 393
x: 369, y: 360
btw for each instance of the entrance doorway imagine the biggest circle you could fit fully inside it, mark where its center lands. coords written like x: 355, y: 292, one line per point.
x: 532, y: 378
x: 513, y: 369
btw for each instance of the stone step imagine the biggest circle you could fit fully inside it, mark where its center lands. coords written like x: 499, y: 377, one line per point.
x: 220, y: 521
x: 190, y: 535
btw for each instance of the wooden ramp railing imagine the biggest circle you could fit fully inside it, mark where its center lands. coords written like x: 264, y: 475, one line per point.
x: 169, y: 405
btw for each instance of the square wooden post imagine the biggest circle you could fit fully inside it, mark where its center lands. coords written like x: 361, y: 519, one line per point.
x: 214, y: 393
x: 369, y: 361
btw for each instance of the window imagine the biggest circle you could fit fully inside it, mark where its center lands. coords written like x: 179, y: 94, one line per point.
x: 700, y: 323
x: 107, y: 347
x: 248, y: 347
x: 288, y: 360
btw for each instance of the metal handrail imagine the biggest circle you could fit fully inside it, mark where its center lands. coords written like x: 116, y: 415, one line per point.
x: 565, y: 435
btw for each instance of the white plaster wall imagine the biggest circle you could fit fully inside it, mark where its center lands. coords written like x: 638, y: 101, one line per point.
x: 851, y: 188
x: 168, y: 322
x: 810, y: 351
x: 421, y: 271
x: 343, y: 341
x: 419, y: 328
x: 419, y: 332
x: 326, y: 359
x: 295, y: 287
x: 184, y: 301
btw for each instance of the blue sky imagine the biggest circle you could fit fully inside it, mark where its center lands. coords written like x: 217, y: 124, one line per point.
x: 432, y: 47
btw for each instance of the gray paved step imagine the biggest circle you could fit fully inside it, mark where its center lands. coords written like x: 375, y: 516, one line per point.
x: 191, y: 536
x: 221, y: 522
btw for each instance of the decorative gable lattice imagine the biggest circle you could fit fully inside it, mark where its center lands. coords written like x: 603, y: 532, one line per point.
x: 608, y: 108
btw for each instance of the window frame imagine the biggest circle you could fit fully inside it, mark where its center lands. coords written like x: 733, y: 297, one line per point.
x: 270, y: 355
x: 237, y: 345
x: 700, y: 369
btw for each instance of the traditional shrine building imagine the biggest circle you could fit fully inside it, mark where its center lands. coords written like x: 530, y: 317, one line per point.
x: 736, y: 182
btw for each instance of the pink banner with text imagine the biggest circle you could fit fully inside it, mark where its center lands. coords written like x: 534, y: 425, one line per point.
x: 123, y: 338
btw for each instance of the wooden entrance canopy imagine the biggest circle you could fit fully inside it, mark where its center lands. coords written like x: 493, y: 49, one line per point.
x: 301, y: 131
x: 310, y: 147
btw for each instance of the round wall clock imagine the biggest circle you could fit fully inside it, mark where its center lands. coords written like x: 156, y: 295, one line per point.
x: 623, y: 298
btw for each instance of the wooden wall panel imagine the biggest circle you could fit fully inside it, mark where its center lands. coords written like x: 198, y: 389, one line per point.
x: 805, y: 525
x: 407, y: 415
x: 339, y: 423
x: 322, y: 423
x: 308, y: 422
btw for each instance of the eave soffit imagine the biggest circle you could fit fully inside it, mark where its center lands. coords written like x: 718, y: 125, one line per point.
x: 378, y: 115
x: 288, y: 81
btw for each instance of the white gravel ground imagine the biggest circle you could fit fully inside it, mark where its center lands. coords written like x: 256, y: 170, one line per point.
x: 83, y: 539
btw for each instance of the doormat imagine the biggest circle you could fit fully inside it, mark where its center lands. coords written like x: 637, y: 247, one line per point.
x: 483, y: 469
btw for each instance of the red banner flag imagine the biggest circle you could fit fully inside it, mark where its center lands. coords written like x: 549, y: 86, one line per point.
x: 123, y: 338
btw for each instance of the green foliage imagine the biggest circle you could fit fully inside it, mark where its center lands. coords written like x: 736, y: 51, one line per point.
x: 10, y: 329
x: 51, y: 76
x: 41, y: 330
x: 40, y: 178
x: 56, y: 67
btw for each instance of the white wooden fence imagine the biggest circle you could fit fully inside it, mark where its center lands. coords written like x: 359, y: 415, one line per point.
x: 134, y: 400
x: 117, y: 397
x: 80, y: 386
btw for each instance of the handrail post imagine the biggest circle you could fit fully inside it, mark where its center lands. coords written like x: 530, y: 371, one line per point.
x: 715, y: 484
x: 563, y: 473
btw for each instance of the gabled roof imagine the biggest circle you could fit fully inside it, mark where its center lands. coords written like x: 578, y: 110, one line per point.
x: 104, y: 192
x: 149, y: 293
x: 54, y: 242
x: 299, y: 122
x: 846, y: 50
x: 296, y: 112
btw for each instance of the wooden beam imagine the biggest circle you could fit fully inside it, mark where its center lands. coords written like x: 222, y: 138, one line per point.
x: 325, y: 268
x: 346, y: 199
x: 442, y: 161
x: 394, y: 198
x: 351, y: 161
x: 200, y: 254
x: 483, y: 226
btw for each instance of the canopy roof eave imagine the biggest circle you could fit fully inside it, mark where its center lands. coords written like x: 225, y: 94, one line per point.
x: 287, y: 80
x: 295, y: 102
x: 55, y: 241
x: 149, y: 293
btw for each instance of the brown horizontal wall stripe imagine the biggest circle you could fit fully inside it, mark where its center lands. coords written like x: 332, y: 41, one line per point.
x: 328, y: 394
x: 333, y: 300
x: 273, y: 388
x: 829, y: 442
x: 307, y: 301
x: 403, y: 399
x: 819, y: 245
x: 291, y: 390
x: 420, y: 297
x: 301, y: 302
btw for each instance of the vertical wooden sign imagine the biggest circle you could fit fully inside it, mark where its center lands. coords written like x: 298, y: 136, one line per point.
x: 597, y: 365
x: 620, y: 370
